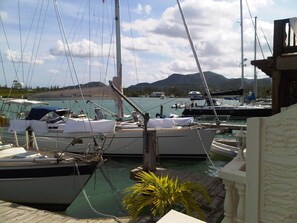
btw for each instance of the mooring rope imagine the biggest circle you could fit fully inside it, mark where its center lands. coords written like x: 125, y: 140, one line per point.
x: 203, y: 146
x: 90, y: 205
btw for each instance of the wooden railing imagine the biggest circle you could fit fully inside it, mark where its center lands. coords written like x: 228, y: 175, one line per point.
x: 285, y: 40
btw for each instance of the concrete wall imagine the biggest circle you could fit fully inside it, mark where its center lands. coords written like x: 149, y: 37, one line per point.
x: 271, y: 168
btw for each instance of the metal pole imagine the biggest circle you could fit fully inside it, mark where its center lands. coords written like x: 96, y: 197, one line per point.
x: 241, y: 37
x: 197, y: 63
x: 119, y: 58
x: 255, y: 57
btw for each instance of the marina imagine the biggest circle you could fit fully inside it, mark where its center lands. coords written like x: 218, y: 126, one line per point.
x: 246, y: 167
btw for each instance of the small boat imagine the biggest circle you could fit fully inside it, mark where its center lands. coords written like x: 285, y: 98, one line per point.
x: 43, y: 179
x: 224, y: 148
x: 195, y: 95
x: 157, y: 94
x: 178, y: 105
x: 198, y: 108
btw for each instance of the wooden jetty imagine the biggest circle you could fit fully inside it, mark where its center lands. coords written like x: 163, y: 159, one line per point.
x: 224, y: 127
x: 214, y: 211
x: 11, y: 213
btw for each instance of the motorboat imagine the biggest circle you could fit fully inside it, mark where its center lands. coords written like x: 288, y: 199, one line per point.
x: 200, y: 108
x: 43, y: 179
x: 195, y: 95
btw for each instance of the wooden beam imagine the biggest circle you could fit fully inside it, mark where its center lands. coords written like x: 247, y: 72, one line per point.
x: 287, y: 62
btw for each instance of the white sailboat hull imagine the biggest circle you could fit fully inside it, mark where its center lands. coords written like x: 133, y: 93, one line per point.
x: 43, y: 192
x: 180, y: 142
x: 43, y: 179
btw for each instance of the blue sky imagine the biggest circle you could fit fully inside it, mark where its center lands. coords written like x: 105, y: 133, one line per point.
x: 154, y: 43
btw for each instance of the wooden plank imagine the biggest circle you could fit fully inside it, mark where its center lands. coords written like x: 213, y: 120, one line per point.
x: 11, y: 213
x: 215, y: 210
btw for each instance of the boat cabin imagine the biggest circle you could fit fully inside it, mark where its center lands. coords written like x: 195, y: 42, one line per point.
x: 47, y: 113
x: 282, y: 66
x: 195, y: 95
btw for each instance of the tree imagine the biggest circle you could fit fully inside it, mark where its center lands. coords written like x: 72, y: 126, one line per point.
x: 155, y: 196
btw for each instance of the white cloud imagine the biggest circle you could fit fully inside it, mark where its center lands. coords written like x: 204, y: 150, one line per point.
x: 83, y: 48
x: 146, y: 9
x: 54, y: 71
x: 25, y: 57
x: 215, y: 32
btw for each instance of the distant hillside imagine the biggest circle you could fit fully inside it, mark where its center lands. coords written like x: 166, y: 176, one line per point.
x: 87, y: 85
x: 176, y: 84
x: 179, y: 84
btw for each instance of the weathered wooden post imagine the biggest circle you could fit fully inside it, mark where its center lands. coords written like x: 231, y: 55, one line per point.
x: 149, y: 147
x: 149, y: 140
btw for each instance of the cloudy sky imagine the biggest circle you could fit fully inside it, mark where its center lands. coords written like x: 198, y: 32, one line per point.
x: 36, y: 36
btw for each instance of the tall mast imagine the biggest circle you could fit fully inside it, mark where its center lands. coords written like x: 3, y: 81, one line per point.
x: 118, y: 83
x: 241, y: 37
x: 198, y: 63
x: 255, y: 57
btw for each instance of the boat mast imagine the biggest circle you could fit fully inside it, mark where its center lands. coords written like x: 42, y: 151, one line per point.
x: 118, y: 81
x: 255, y: 57
x: 198, y: 64
x: 241, y: 38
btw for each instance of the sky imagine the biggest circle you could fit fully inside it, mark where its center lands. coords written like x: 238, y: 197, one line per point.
x: 53, y: 43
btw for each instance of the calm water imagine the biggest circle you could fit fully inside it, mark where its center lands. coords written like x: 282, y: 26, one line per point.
x: 105, y: 188
x: 150, y: 105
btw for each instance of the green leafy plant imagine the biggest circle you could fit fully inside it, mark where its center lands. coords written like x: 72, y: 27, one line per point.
x: 155, y: 196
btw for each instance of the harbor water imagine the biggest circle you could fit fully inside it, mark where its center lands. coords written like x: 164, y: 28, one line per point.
x: 105, y: 189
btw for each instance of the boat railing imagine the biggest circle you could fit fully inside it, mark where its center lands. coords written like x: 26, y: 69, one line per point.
x: 285, y: 40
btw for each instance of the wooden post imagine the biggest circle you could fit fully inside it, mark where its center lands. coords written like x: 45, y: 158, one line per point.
x: 149, y: 150
x: 276, y: 79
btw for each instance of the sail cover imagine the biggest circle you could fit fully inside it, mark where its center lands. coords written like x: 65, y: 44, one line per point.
x: 169, y: 122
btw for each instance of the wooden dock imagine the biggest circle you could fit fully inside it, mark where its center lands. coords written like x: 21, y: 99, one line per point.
x: 224, y: 127
x: 215, y: 210
x: 15, y: 213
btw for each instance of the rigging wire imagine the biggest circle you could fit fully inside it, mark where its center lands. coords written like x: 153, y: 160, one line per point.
x: 21, y: 40
x: 70, y: 60
x: 10, y: 54
x: 132, y: 40
x: 116, y: 192
x: 39, y: 40
x: 258, y: 39
x: 3, y: 69
x: 89, y: 203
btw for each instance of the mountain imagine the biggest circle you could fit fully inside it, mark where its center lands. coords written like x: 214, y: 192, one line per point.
x: 179, y: 84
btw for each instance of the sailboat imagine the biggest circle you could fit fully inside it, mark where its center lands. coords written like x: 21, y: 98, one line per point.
x: 43, y: 179
x: 175, y: 137
x: 203, y: 107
